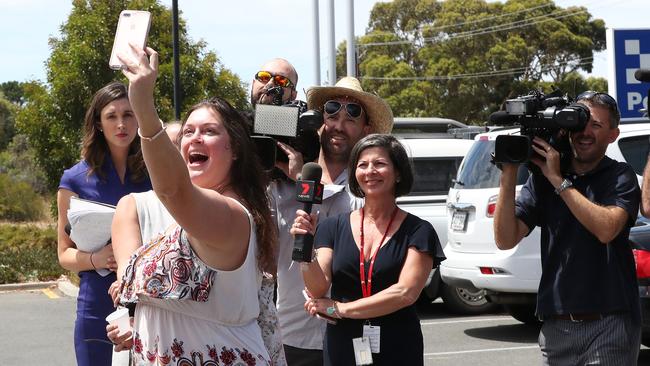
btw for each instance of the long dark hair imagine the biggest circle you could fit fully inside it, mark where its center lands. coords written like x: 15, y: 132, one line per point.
x: 246, y: 168
x: 94, y: 146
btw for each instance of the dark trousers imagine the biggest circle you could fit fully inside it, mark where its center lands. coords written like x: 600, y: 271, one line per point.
x: 303, y: 357
x: 612, y: 341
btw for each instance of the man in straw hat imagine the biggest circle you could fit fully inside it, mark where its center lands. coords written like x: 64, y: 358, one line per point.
x: 349, y: 114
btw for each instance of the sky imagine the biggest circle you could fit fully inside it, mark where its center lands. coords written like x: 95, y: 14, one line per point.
x: 246, y: 33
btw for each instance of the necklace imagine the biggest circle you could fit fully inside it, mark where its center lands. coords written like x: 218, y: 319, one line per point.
x: 366, y: 289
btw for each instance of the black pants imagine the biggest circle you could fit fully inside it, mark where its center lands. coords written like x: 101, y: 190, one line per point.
x: 303, y: 357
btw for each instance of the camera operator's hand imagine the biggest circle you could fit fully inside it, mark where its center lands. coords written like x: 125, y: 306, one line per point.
x: 294, y: 166
x: 548, y: 160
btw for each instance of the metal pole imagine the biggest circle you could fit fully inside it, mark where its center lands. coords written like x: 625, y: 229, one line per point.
x: 332, y: 45
x: 352, y: 43
x: 316, y: 42
x: 177, y: 69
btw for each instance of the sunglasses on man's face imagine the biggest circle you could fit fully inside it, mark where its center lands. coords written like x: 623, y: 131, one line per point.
x: 281, y: 80
x: 602, y: 97
x: 353, y: 110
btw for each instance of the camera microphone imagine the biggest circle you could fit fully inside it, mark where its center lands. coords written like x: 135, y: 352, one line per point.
x: 642, y: 75
x: 309, y: 190
x: 502, y: 118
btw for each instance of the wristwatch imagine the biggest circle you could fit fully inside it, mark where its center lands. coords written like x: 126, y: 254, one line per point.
x: 563, y: 186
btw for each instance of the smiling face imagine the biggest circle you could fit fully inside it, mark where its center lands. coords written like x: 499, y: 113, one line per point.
x: 340, y: 132
x: 591, y: 143
x: 118, y: 124
x: 375, y: 172
x: 206, y: 149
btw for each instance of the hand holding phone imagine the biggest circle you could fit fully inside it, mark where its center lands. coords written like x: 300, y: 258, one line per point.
x: 132, y: 28
x: 321, y: 316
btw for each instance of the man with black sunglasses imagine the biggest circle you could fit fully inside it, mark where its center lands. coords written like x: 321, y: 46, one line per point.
x: 349, y: 114
x: 275, y: 77
x: 588, y: 297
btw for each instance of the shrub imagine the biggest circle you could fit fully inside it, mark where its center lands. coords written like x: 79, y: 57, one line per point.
x: 28, y: 253
x: 19, y: 201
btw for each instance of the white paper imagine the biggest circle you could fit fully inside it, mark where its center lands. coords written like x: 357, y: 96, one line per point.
x: 90, y: 224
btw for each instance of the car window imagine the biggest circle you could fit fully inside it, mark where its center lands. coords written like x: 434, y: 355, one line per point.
x: 635, y: 151
x: 433, y: 176
x: 478, y: 172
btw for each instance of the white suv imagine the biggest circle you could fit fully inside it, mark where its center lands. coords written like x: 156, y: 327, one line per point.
x: 435, y: 164
x: 511, y: 277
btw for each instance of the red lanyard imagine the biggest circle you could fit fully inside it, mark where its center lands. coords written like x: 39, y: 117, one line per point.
x: 365, y: 290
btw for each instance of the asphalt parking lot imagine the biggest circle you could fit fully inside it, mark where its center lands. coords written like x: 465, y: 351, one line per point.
x: 37, y: 329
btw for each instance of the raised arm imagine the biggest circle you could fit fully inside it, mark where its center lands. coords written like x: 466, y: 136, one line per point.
x: 508, y: 229
x: 217, y: 226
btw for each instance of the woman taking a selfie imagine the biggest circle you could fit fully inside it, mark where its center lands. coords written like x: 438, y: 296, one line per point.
x: 195, y: 288
x: 111, y: 167
x: 376, y: 260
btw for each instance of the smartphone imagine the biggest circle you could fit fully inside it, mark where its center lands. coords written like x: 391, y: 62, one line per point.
x: 321, y: 316
x: 132, y: 28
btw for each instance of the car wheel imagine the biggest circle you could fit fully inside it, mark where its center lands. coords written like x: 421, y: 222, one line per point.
x: 525, y: 313
x: 466, y: 301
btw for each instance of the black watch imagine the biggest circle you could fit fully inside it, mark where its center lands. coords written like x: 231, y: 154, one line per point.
x: 563, y: 186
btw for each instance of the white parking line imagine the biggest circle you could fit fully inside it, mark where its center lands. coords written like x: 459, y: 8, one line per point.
x: 505, y: 318
x: 478, y: 350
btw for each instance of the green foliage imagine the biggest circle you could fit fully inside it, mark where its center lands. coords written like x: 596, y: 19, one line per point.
x: 19, y: 201
x: 7, y: 113
x: 19, y: 162
x: 463, y: 58
x: 78, y: 66
x: 13, y: 91
x: 28, y: 253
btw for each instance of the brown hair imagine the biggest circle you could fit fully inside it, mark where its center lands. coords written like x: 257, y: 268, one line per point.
x: 94, y: 146
x: 247, y: 178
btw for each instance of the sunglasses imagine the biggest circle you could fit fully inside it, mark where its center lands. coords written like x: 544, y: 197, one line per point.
x: 601, y: 97
x: 353, y: 110
x: 281, y: 80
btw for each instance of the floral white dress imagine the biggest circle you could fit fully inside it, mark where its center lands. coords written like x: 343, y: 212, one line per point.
x: 190, y: 314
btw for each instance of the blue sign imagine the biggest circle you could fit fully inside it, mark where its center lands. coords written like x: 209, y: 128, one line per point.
x: 629, y: 50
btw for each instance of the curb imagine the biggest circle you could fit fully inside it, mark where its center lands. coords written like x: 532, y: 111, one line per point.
x: 28, y: 286
x: 63, y: 284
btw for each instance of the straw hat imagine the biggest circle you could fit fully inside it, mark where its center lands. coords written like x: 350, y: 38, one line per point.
x: 380, y: 116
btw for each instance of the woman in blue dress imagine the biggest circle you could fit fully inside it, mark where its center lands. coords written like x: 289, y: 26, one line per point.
x: 111, y: 167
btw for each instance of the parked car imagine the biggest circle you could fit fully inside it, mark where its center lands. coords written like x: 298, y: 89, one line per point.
x: 435, y: 163
x: 510, y: 277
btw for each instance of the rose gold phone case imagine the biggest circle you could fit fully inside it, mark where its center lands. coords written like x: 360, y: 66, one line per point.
x: 132, y: 27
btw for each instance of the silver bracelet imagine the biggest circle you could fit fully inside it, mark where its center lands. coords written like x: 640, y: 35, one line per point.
x: 154, y: 136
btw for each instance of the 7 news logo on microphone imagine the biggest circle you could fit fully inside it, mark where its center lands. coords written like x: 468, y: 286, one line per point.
x: 309, y: 191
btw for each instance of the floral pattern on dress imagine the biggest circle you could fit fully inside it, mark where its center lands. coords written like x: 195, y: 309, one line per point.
x: 208, y: 357
x: 167, y: 268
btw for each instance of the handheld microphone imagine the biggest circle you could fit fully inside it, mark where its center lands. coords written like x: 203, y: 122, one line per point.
x: 502, y: 118
x: 309, y: 190
x: 642, y: 75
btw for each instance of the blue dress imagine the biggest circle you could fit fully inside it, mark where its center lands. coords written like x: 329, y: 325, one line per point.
x: 92, y: 347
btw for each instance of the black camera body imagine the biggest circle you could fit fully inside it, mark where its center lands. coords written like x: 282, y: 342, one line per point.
x: 292, y: 124
x: 538, y: 115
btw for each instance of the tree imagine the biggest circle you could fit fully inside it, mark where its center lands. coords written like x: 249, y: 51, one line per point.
x: 463, y: 58
x: 13, y: 91
x: 78, y: 66
x: 7, y: 116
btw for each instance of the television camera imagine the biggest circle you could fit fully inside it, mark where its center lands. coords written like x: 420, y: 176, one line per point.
x: 538, y: 115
